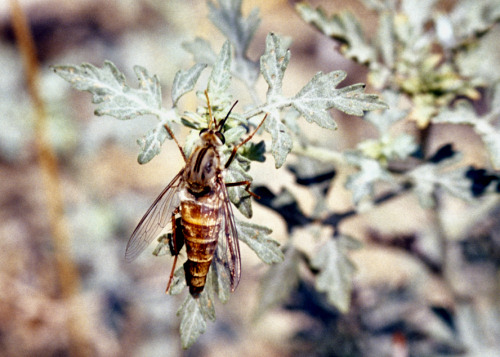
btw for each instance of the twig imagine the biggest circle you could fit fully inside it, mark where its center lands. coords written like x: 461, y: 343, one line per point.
x: 68, y: 275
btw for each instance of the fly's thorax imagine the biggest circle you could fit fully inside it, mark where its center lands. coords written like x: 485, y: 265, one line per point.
x: 202, y: 169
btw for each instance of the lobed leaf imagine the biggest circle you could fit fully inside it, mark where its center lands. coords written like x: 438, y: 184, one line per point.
x: 185, y: 81
x: 151, y: 143
x: 201, y: 50
x: 230, y: 21
x: 279, y: 281
x: 362, y: 183
x: 220, y: 77
x: 257, y: 238
x: 426, y: 178
x: 320, y: 94
x: 110, y: 91
x: 336, y: 271
x: 193, y: 323
x: 237, y: 194
x: 281, y: 139
x: 343, y: 27
x: 273, y: 64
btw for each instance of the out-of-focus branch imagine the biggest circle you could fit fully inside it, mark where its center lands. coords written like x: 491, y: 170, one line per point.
x: 68, y: 275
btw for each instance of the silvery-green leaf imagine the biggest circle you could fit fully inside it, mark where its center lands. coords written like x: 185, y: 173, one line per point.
x: 361, y: 184
x: 193, y: 323
x: 237, y: 194
x: 257, y: 238
x: 426, y: 178
x: 384, y: 119
x: 461, y: 113
x: 491, y: 138
x: 464, y: 113
x: 220, y: 78
x: 335, y: 271
x: 201, y: 50
x: 151, y: 143
x: 470, y: 17
x: 162, y: 248
x: 320, y: 94
x: 178, y: 282
x: 279, y: 281
x: 418, y: 12
x: 344, y: 27
x: 220, y: 278
x: 185, y: 81
x: 110, y: 91
x: 386, y: 38
x: 228, y: 18
x: 281, y: 139
x: 205, y: 300
x: 273, y: 64
x: 234, y: 134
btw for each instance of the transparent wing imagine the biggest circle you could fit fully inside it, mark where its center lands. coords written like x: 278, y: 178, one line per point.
x: 228, y: 249
x: 155, y: 219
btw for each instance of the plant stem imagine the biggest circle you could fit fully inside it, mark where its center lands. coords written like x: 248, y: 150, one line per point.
x: 68, y: 276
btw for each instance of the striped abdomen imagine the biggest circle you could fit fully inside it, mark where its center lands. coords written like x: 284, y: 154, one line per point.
x: 201, y: 227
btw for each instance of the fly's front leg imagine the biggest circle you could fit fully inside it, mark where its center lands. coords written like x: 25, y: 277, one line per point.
x: 175, y: 244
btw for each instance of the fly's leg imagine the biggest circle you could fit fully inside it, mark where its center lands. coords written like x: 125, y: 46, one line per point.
x: 175, y: 244
x: 235, y: 149
x: 247, y: 187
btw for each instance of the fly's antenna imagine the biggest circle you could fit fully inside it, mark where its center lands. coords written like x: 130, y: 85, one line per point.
x: 212, y: 119
x: 222, y: 122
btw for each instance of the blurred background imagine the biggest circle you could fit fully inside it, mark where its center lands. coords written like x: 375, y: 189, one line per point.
x: 87, y: 301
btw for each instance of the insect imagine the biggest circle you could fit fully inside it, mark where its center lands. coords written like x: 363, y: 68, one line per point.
x: 197, y: 206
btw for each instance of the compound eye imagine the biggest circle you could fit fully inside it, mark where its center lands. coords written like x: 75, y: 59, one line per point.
x: 221, y: 137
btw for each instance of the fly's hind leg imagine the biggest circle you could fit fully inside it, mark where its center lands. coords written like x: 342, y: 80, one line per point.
x: 247, y: 187
x: 176, y: 243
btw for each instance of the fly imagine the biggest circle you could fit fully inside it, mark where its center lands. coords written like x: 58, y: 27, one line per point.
x: 197, y: 205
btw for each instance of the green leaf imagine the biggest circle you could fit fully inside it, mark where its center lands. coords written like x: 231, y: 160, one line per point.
x: 336, y: 271
x: 279, y: 281
x: 193, y: 323
x: 254, y: 152
x: 320, y: 94
x: 110, y: 91
x: 185, y: 81
x: 343, y: 27
x: 256, y: 237
x: 151, y: 143
x: 273, y: 64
